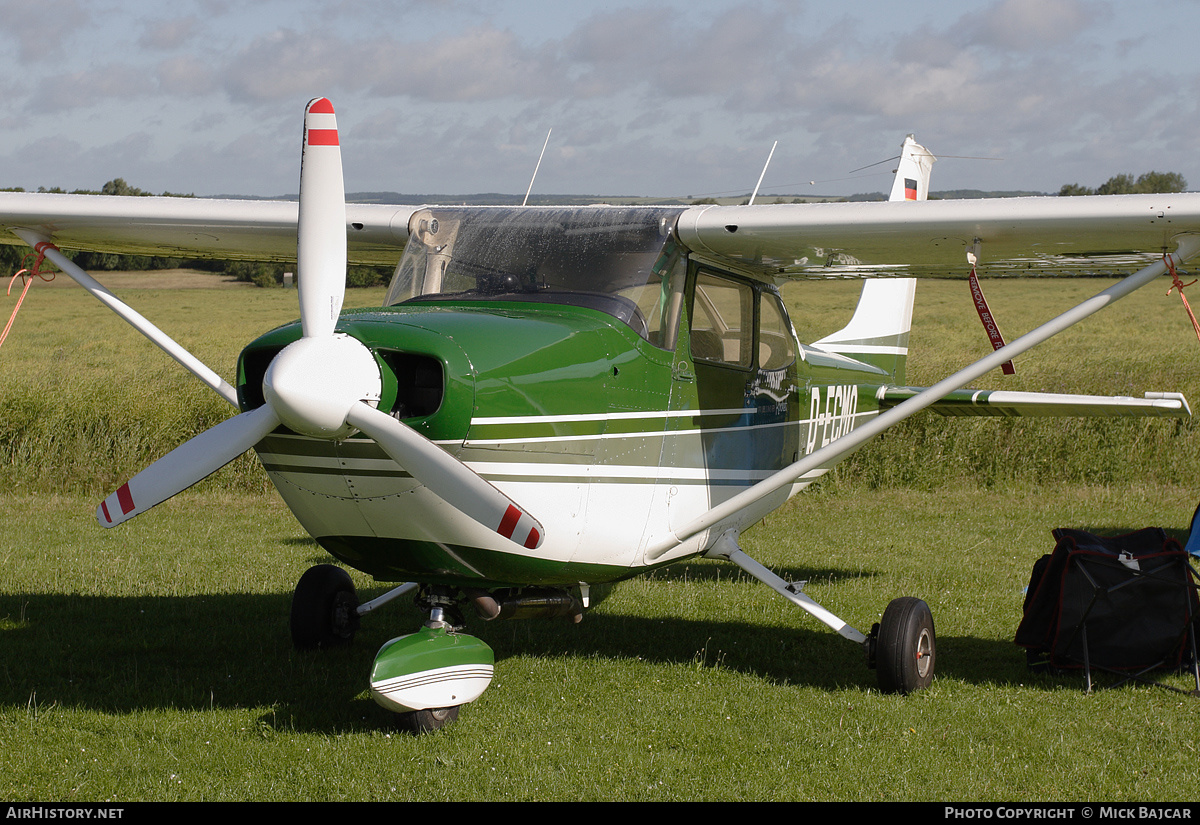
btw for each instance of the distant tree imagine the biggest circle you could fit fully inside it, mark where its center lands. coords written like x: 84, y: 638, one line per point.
x: 1075, y: 189
x: 258, y: 273
x: 1116, y: 185
x: 10, y: 258
x: 1160, y: 182
x: 118, y: 186
x: 360, y: 276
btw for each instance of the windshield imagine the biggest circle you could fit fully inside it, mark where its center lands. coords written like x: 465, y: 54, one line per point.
x: 619, y: 260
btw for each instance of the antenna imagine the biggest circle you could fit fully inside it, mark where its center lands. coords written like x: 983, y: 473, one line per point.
x: 764, y: 173
x: 536, y: 168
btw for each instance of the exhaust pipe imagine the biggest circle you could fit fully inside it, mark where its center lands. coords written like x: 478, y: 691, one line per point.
x: 526, y: 603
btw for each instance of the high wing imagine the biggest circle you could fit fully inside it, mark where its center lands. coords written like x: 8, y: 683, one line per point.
x: 1093, y: 234
x: 1096, y: 234
x: 256, y: 230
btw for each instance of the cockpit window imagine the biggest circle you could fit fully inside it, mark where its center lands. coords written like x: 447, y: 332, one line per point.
x: 622, y: 261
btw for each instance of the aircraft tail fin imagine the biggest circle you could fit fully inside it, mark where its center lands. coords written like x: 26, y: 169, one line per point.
x: 912, y: 173
x: 878, y: 332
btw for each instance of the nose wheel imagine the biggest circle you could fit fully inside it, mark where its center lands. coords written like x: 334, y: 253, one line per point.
x: 431, y: 719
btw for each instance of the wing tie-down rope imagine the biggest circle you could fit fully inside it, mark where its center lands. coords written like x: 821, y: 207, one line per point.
x: 985, y: 313
x: 27, y: 274
x: 1177, y: 284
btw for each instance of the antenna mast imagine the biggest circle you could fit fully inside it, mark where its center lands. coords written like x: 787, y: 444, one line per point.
x: 760, y: 177
x: 536, y: 168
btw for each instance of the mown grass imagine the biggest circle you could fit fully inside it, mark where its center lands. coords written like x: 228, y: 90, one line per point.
x: 152, y: 662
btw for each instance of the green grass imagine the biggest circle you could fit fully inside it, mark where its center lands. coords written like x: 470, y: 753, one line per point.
x: 156, y: 665
x: 152, y: 662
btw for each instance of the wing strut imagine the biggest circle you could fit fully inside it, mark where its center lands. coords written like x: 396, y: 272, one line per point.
x: 727, y: 548
x: 165, y: 342
x: 1189, y: 245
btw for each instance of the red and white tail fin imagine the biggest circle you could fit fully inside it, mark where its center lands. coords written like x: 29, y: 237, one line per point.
x: 912, y: 174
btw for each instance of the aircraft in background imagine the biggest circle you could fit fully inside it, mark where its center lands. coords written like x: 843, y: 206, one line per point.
x: 552, y: 399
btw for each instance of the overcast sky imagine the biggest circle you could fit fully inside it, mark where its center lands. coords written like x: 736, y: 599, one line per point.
x: 653, y: 97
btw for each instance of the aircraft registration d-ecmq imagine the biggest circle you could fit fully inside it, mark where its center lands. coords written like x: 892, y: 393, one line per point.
x: 555, y: 398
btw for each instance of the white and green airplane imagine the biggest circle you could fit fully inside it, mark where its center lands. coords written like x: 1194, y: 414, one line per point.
x: 555, y: 399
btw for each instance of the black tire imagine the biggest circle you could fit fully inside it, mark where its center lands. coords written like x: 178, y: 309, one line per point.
x: 431, y: 719
x: 324, y: 609
x: 906, y: 648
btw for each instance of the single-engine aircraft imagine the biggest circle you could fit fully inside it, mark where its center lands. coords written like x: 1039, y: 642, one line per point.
x: 553, y: 399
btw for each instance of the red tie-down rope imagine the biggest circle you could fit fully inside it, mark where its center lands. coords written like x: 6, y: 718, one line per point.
x: 27, y: 274
x: 988, y: 320
x: 1177, y: 284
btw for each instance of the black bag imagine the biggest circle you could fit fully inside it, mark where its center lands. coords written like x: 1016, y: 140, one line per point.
x: 1122, y: 603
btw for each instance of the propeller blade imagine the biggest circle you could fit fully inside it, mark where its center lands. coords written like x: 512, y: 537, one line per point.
x: 447, y: 477
x: 321, y: 236
x: 188, y: 463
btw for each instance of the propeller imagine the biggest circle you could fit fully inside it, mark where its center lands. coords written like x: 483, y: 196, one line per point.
x: 327, y: 384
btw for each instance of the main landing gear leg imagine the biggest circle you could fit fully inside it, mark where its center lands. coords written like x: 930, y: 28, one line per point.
x: 901, y: 647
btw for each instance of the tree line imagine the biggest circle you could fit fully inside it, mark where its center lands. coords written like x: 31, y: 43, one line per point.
x: 1145, y: 184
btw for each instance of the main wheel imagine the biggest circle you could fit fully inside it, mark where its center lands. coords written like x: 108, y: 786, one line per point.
x: 431, y: 719
x: 324, y: 608
x: 906, y: 649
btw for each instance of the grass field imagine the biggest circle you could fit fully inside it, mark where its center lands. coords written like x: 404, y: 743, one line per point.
x: 152, y: 662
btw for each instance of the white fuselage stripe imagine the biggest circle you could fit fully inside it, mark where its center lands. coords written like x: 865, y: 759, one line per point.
x: 483, y: 442
x: 621, y: 416
x: 870, y: 349
x: 493, y: 469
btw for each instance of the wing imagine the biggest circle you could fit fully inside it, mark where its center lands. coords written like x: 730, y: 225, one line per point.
x: 194, y: 227
x: 1097, y: 234
x: 1084, y: 235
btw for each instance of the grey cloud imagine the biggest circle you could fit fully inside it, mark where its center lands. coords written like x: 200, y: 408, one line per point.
x: 477, y: 64
x: 1030, y: 25
x: 168, y: 34
x: 88, y: 87
x: 185, y: 75
x: 40, y: 28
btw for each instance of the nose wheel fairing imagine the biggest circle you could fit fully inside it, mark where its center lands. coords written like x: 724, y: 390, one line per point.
x: 432, y: 668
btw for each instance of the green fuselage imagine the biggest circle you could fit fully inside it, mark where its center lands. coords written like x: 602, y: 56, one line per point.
x: 606, y: 437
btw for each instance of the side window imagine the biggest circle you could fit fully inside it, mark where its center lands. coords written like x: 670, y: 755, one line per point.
x: 659, y: 299
x: 722, y: 321
x: 776, y: 348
